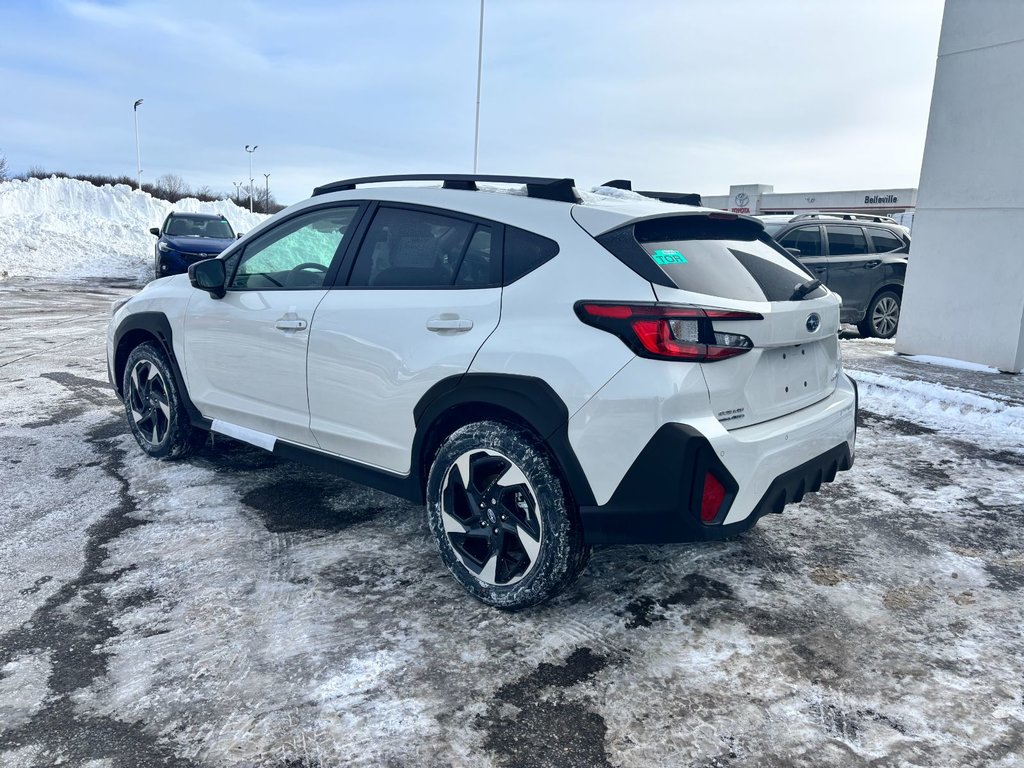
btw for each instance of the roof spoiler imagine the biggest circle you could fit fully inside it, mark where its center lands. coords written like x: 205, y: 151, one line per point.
x: 561, y: 190
x: 679, y: 198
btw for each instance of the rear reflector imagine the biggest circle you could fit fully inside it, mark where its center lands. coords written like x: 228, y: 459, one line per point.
x: 669, y: 331
x: 711, y: 501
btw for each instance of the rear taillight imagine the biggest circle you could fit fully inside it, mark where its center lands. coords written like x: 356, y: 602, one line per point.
x: 668, y: 331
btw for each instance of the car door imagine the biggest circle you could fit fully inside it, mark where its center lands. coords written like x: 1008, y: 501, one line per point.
x: 850, y: 268
x: 245, y: 354
x: 807, y: 240
x: 423, y: 293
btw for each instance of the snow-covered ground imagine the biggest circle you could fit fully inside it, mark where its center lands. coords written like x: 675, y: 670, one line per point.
x: 235, y: 610
x: 65, y: 228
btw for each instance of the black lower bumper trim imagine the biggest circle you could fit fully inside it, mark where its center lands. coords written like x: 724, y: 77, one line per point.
x: 654, y: 505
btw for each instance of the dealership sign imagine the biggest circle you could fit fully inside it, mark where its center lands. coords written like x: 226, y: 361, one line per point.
x: 880, y: 199
x: 742, y: 203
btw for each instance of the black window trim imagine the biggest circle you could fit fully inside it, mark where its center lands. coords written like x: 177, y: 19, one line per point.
x: 336, y: 261
x: 343, y: 276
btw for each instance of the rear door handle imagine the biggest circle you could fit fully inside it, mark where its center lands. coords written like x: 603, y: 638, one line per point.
x: 447, y: 322
x: 872, y: 264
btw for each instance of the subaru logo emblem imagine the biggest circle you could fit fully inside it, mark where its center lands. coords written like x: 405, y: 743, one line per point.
x: 813, y: 322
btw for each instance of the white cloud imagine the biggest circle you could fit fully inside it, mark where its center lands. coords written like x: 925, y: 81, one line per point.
x: 685, y: 95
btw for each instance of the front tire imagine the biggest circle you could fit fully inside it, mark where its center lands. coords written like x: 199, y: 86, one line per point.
x: 883, y: 316
x: 156, y: 414
x: 501, y: 517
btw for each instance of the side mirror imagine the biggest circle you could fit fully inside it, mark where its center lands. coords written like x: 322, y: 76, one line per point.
x: 794, y: 251
x: 209, y: 276
x: 154, y: 231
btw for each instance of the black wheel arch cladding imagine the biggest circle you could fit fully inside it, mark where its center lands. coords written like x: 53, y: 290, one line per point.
x: 139, y: 328
x: 531, y: 399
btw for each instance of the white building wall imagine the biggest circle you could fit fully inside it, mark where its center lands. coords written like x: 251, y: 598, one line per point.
x: 964, y: 296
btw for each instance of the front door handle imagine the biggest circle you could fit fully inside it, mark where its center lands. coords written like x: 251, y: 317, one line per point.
x: 449, y: 322
x: 290, y: 322
x: 872, y: 264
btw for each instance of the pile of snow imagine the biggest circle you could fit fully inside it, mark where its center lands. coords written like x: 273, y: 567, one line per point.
x: 69, y: 228
x: 986, y: 420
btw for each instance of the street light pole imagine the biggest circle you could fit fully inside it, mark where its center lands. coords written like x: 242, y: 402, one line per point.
x: 266, y: 197
x: 479, y: 73
x: 250, y: 151
x: 138, y: 148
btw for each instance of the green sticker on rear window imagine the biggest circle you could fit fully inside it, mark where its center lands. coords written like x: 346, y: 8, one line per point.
x: 668, y: 257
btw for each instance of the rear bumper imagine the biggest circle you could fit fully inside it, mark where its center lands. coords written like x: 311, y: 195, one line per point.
x: 763, y: 468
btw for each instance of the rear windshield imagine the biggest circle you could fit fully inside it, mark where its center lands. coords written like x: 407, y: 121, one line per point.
x: 732, y: 259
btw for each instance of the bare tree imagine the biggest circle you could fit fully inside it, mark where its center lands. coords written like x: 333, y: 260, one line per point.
x: 173, y: 186
x: 3, y: 167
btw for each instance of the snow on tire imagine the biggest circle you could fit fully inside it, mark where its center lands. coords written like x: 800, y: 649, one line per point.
x: 501, y: 518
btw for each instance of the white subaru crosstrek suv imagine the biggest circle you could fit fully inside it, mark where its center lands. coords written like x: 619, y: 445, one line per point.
x: 546, y: 371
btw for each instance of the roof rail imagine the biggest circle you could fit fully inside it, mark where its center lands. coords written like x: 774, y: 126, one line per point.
x: 844, y: 215
x: 679, y: 198
x: 562, y: 190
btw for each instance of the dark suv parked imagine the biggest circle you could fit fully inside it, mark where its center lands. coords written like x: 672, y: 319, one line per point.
x: 186, y: 238
x: 862, y: 258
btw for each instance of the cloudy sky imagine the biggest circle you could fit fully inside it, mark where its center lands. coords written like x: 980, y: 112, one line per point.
x: 688, y: 95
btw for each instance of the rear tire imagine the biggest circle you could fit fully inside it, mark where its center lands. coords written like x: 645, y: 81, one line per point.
x: 883, y: 316
x: 501, y: 517
x: 156, y: 413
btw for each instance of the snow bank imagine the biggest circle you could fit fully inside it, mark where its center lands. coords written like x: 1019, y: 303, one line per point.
x: 69, y: 228
x: 993, y: 419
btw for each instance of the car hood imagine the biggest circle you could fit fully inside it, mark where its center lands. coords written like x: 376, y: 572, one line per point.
x: 198, y: 244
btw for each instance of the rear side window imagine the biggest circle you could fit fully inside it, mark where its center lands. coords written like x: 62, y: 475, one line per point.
x: 845, y: 240
x: 405, y: 248
x: 732, y: 259
x: 524, y: 252
x: 884, y: 240
x: 805, y: 239
x: 478, y: 266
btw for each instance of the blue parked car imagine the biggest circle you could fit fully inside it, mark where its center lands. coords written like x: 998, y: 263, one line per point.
x: 186, y: 238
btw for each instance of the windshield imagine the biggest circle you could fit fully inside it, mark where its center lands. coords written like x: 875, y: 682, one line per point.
x: 771, y: 227
x: 731, y: 259
x: 195, y: 226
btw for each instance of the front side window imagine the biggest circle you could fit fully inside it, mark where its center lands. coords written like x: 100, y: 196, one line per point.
x: 845, y: 240
x: 406, y: 248
x: 295, y: 254
x: 807, y: 240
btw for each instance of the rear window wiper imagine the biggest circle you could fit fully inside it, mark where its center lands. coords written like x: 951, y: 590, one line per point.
x: 803, y: 289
